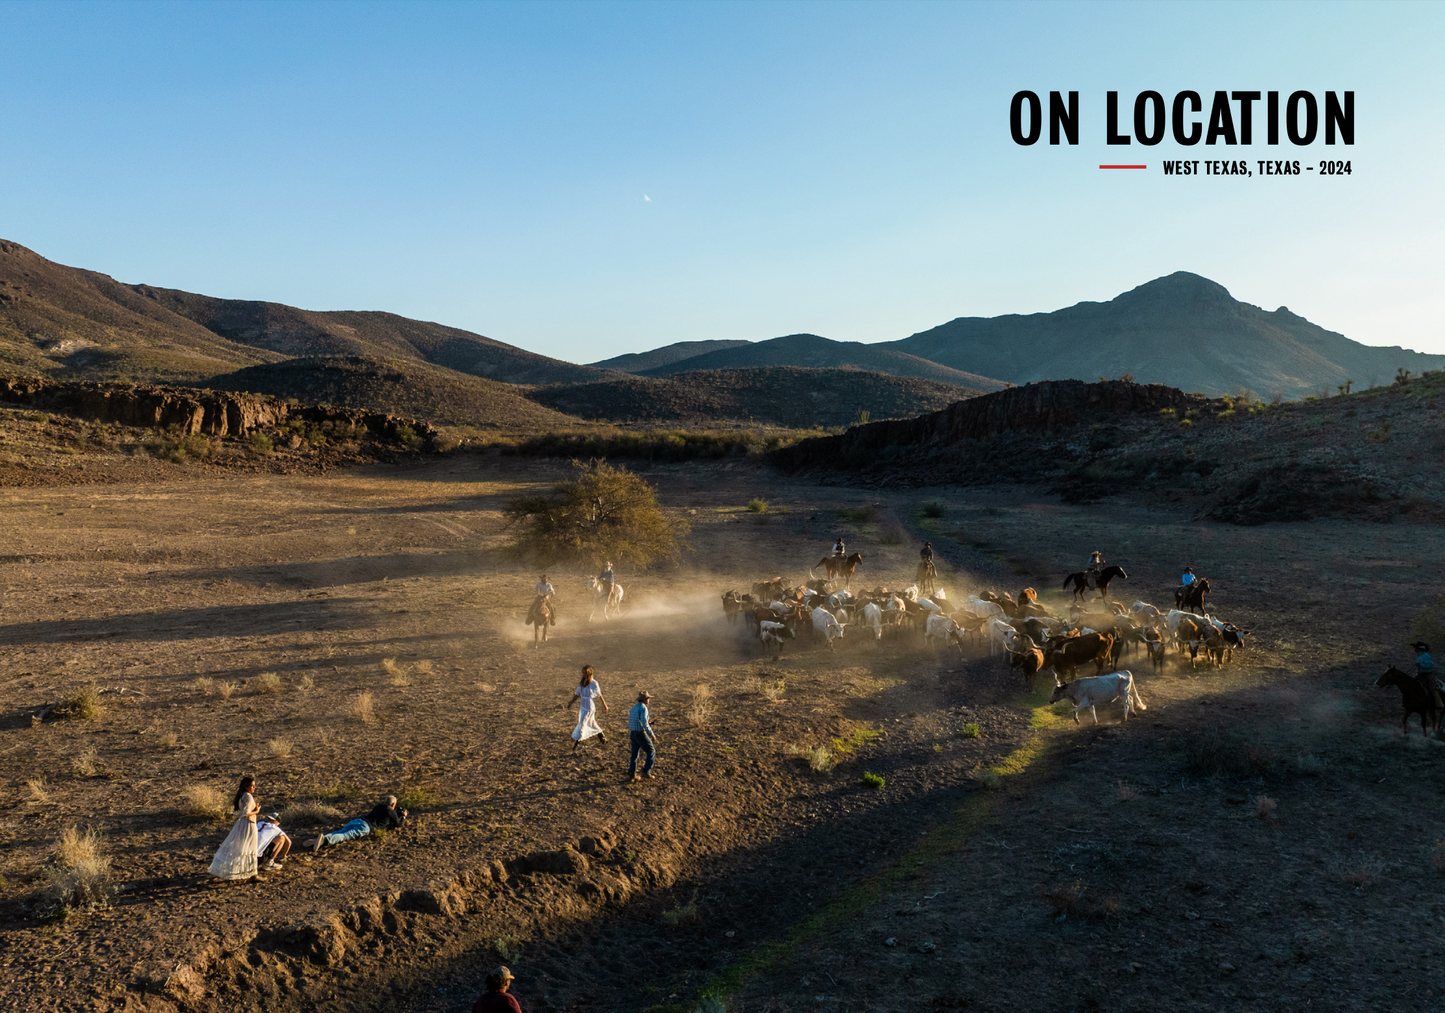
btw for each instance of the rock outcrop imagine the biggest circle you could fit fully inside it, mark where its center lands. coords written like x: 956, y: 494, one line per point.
x: 214, y: 413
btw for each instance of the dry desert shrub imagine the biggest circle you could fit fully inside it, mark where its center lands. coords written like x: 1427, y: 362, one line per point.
x: 390, y: 668
x: 207, y: 802
x: 279, y: 748
x: 308, y: 682
x: 83, y: 705
x: 36, y: 787
x: 396, y: 674
x: 268, y: 682
x: 363, y: 707
x: 225, y: 689
x: 204, y: 684
x: 820, y: 759
x: 79, y: 876
x: 167, y: 740
x: 422, y: 667
x: 1264, y: 807
x: 700, y: 711
x: 85, y: 764
x: 310, y: 813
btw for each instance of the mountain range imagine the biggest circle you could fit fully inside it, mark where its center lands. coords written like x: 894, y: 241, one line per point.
x: 1181, y: 330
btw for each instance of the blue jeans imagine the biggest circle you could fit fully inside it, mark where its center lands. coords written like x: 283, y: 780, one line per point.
x: 642, y: 744
x: 353, y: 831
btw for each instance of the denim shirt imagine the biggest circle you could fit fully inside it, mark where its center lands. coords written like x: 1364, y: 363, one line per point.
x: 637, y: 719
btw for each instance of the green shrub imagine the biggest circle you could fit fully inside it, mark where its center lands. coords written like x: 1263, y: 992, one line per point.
x: 758, y: 506
x: 871, y: 780
x: 971, y: 730
x: 865, y: 514
x: 260, y: 444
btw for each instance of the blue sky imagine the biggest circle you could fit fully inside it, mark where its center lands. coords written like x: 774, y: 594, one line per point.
x: 844, y: 169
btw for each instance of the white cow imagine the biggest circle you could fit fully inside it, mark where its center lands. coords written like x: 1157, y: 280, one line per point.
x: 1145, y: 613
x: 911, y: 592
x: 827, y: 627
x: 931, y: 607
x: 1171, y: 621
x: 939, y: 626
x: 1096, y: 689
x: 1002, y: 635
x: 873, y: 620
x: 772, y: 634
x: 974, y: 605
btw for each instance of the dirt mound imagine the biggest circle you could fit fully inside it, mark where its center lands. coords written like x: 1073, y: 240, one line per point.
x: 407, y: 387
x: 776, y: 395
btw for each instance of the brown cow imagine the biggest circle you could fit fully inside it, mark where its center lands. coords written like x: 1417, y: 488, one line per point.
x: 1030, y: 660
x: 1067, y: 654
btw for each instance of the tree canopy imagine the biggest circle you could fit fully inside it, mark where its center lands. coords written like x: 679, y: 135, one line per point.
x: 605, y: 513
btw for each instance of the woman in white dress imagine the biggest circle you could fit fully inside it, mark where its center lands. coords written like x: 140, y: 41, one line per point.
x: 587, y: 696
x: 236, y: 857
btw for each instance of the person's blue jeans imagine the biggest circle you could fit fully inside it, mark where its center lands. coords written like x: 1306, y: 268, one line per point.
x: 641, y: 744
x: 353, y: 831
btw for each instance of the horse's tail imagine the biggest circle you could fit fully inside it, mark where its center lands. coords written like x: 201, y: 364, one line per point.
x: 1067, y: 581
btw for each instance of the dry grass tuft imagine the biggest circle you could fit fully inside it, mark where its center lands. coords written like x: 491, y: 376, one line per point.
x: 390, y: 668
x: 308, y: 682
x: 279, y: 748
x: 83, y: 705
x: 422, y: 667
x: 1367, y: 873
x: 1124, y: 791
x: 225, y: 689
x: 1264, y: 807
x: 204, y: 684
x: 765, y: 686
x: 701, y: 710
x: 310, y: 813
x: 168, y: 740
x: 682, y: 914
x: 79, y: 876
x: 36, y: 787
x: 363, y: 707
x: 85, y: 764
x: 820, y: 759
x: 207, y: 802
x: 268, y: 682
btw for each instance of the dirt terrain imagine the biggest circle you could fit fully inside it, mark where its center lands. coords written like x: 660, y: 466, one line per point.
x: 1012, y: 858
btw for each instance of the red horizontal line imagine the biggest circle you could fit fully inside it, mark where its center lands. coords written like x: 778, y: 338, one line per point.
x: 1123, y: 167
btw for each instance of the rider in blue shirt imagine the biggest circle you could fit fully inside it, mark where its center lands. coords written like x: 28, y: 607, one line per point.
x: 1425, y: 669
x: 1188, y: 577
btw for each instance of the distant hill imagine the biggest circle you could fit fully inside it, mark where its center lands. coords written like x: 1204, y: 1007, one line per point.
x: 814, y: 352
x: 638, y: 362
x: 1181, y: 330
x: 398, y: 386
x: 64, y: 321
x: 773, y: 395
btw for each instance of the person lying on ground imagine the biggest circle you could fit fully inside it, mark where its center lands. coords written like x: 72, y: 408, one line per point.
x: 384, y: 817
x: 272, y: 843
x: 496, y: 999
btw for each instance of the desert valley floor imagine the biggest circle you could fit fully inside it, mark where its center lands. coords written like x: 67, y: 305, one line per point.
x: 1263, y: 837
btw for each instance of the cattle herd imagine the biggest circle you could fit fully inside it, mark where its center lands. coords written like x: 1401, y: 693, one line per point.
x: 1019, y: 630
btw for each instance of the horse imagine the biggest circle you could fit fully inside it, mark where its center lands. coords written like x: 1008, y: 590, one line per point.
x: 927, y: 576
x: 1191, y: 596
x: 1416, y: 699
x: 836, y: 565
x: 1101, y: 581
x: 610, y: 604
x: 539, y: 617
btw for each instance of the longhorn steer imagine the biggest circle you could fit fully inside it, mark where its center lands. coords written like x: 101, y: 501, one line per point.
x: 1097, y: 689
x: 1069, y: 653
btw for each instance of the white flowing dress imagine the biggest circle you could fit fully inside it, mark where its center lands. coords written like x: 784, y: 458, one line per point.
x: 587, y: 725
x: 236, y: 857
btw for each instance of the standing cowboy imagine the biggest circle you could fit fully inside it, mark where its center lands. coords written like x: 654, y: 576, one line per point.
x: 644, y: 739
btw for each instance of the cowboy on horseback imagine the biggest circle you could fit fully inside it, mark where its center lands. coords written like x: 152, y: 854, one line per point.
x: 1096, y: 563
x: 926, y: 553
x: 1425, y: 673
x: 838, y: 549
x: 544, y: 591
x: 605, y: 579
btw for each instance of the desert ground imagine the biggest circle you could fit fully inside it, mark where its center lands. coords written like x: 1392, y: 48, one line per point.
x: 1262, y: 837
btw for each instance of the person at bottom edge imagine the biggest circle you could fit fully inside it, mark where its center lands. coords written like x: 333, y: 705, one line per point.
x: 385, y: 816
x: 495, y: 999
